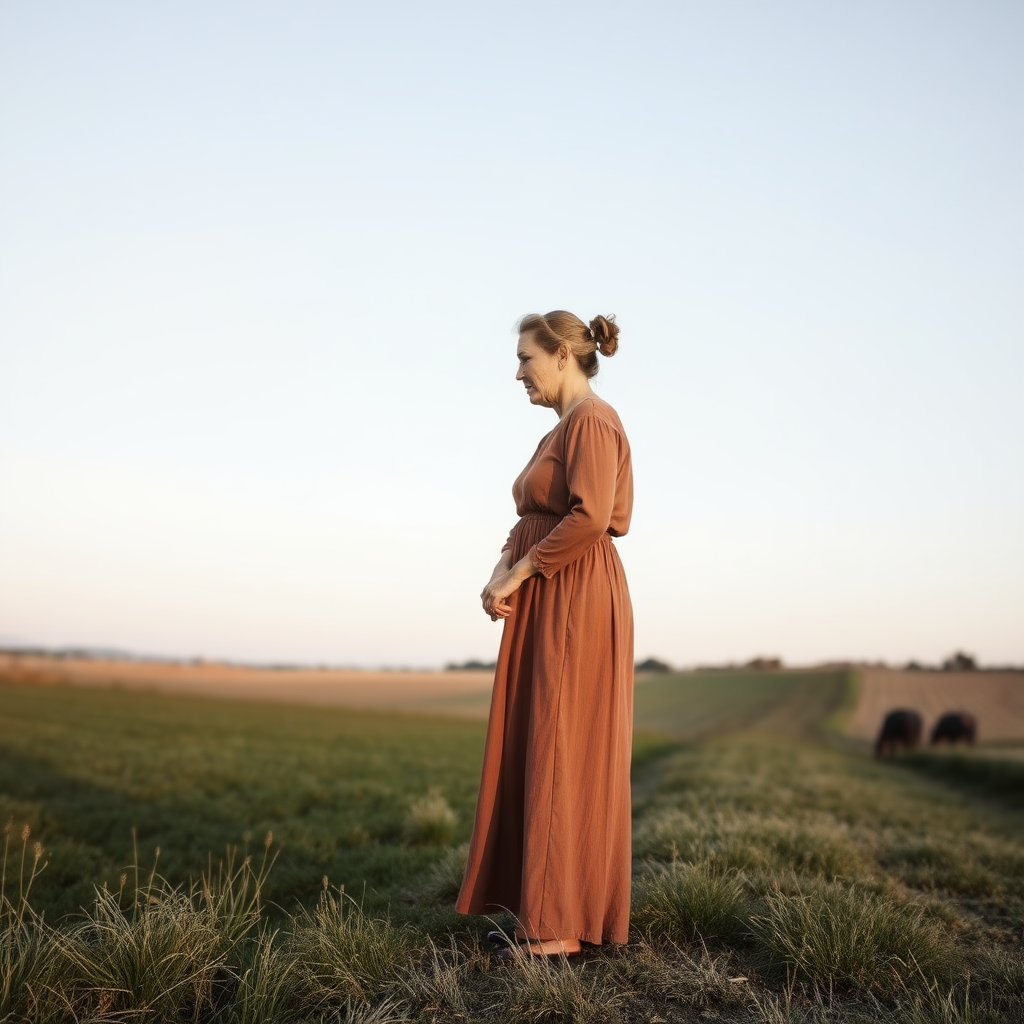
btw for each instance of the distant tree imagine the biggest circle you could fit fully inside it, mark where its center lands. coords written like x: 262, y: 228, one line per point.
x: 960, y: 662
x: 471, y: 666
x: 652, y: 665
x: 764, y: 664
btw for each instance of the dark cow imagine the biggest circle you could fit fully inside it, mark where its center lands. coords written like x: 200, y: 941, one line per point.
x: 901, y: 728
x: 955, y: 727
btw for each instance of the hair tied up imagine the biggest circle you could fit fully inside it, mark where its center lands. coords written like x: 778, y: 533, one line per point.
x: 605, y: 332
x: 557, y: 328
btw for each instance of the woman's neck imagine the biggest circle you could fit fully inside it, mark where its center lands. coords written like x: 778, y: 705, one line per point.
x: 569, y: 401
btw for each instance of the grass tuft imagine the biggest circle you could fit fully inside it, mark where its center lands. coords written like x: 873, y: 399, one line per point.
x: 28, y: 954
x: 344, y: 955
x: 438, y: 981
x: 431, y: 821
x: 556, y: 990
x: 161, y: 957
x: 444, y: 881
x: 689, y: 903
x: 268, y: 982
x: 834, y: 935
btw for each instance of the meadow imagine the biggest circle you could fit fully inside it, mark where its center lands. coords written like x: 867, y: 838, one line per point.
x: 173, y: 858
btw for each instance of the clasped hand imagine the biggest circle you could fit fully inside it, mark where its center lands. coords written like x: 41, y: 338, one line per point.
x: 504, y: 582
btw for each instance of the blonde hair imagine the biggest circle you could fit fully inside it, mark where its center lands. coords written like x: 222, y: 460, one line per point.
x: 557, y: 328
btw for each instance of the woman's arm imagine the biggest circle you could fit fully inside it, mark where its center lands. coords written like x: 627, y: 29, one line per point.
x: 505, y: 581
x: 592, y: 459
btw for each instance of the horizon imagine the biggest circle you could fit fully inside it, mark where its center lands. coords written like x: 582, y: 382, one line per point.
x: 755, y: 663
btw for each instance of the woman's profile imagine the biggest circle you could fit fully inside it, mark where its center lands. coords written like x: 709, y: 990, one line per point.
x: 551, y: 838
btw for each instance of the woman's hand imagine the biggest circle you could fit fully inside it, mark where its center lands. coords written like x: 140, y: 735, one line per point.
x: 503, y: 584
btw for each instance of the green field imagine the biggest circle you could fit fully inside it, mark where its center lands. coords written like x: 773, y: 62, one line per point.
x: 691, y: 705
x: 836, y: 887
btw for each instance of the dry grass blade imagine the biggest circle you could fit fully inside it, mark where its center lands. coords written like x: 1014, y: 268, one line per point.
x: 438, y: 982
x: 558, y: 989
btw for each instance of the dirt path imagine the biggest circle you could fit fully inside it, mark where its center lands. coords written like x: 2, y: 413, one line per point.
x: 995, y: 698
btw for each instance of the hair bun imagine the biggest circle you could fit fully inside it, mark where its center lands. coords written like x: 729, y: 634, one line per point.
x: 606, y: 334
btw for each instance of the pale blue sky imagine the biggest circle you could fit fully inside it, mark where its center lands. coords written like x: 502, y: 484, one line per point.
x: 260, y: 265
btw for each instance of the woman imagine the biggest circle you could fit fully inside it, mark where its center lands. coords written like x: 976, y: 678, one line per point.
x: 551, y: 841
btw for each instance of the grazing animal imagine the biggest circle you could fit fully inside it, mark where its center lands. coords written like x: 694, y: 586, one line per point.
x: 954, y: 727
x: 901, y: 728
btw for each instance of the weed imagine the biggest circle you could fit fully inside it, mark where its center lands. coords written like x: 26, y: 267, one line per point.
x: 431, y: 821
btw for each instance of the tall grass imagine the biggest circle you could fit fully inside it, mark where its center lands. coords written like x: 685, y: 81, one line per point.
x: 26, y: 944
x: 837, y: 936
x: 342, y: 954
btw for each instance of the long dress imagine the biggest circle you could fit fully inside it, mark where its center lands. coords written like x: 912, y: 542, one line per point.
x: 551, y: 839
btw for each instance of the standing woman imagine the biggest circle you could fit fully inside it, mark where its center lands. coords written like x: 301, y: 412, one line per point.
x: 551, y: 840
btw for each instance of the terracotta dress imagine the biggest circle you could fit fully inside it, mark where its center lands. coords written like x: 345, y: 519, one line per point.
x: 551, y: 840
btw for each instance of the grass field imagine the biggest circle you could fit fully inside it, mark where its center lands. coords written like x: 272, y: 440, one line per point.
x: 778, y: 876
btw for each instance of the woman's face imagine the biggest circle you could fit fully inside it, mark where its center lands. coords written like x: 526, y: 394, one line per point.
x: 538, y: 370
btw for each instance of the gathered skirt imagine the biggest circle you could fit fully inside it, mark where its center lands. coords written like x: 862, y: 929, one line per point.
x: 551, y: 839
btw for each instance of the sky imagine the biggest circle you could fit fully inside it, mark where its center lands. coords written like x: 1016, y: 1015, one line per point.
x: 260, y: 267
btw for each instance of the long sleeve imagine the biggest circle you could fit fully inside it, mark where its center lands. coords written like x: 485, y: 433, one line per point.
x: 593, y: 455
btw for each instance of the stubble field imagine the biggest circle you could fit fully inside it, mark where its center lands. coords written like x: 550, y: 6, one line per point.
x: 781, y: 873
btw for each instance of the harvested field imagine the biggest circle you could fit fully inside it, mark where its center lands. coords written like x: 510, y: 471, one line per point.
x: 996, y: 699
x: 458, y: 693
